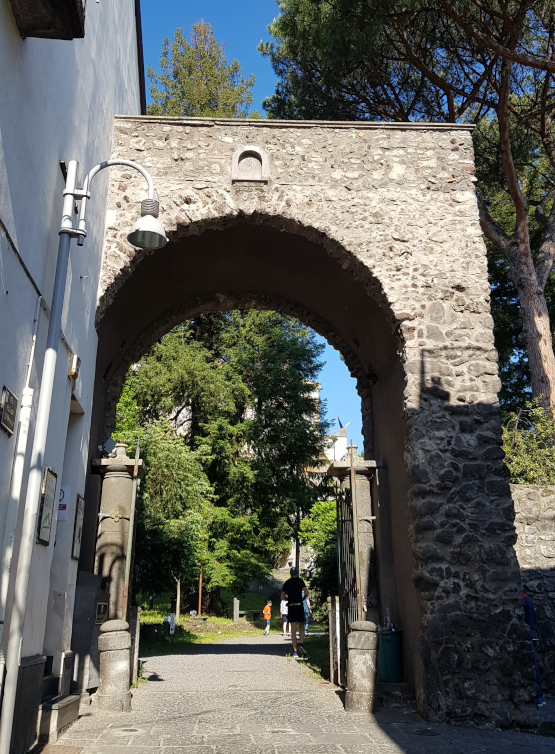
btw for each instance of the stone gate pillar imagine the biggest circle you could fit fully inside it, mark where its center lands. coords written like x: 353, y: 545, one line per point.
x: 355, y: 476
x: 113, y: 526
x: 363, y: 473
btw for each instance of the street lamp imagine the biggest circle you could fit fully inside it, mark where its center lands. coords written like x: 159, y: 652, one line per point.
x: 147, y: 233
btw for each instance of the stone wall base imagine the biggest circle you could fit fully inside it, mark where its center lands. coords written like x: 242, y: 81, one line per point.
x: 535, y: 550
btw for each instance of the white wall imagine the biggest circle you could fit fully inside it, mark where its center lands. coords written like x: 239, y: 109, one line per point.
x: 337, y: 444
x: 57, y: 102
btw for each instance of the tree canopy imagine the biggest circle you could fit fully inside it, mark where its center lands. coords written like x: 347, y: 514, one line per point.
x: 528, y: 443
x: 229, y: 420
x: 319, y: 532
x: 195, y: 78
x: 490, y: 63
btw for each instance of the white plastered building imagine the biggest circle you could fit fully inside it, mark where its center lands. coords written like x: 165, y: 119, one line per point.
x: 58, y: 98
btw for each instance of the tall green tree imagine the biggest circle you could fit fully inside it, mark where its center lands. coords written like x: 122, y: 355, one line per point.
x: 319, y: 532
x: 279, y: 360
x: 491, y: 63
x: 195, y: 78
x: 174, y: 507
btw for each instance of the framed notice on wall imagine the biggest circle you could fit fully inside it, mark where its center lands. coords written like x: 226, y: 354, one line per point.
x: 78, y: 527
x: 47, y: 502
x: 8, y: 410
x: 101, y: 612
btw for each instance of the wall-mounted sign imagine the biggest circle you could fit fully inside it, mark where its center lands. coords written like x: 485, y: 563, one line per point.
x: 62, y: 502
x: 48, y: 498
x: 78, y: 527
x: 8, y: 410
x: 101, y: 612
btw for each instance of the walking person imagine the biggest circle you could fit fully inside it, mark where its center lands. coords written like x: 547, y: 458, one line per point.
x: 530, y: 620
x: 293, y: 591
x: 284, y: 618
x: 307, y: 613
x: 267, y: 613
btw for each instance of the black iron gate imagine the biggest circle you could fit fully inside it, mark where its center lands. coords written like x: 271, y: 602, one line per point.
x: 350, y: 599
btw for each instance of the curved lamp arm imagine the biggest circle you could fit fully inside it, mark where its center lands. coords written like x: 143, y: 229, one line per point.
x: 84, y: 194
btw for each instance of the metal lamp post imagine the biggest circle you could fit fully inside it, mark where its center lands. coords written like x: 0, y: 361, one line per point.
x: 147, y: 233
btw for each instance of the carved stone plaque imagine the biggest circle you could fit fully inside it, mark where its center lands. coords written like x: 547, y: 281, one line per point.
x: 250, y: 166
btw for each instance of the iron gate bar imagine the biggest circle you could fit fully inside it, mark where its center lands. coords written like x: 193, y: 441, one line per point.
x: 355, y: 535
x: 347, y: 578
x: 130, y: 538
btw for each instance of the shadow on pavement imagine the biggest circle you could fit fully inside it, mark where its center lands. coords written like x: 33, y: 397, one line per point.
x: 279, y: 650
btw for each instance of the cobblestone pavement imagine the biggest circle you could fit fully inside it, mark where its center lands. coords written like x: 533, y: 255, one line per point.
x: 248, y: 696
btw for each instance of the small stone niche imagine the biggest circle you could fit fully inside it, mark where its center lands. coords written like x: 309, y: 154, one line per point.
x: 250, y: 167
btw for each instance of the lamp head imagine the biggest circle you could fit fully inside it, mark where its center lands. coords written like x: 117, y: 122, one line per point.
x: 147, y: 233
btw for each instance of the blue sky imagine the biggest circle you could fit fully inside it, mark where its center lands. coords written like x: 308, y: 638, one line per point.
x: 241, y: 26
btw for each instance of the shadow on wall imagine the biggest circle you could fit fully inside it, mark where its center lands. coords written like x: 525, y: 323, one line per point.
x: 540, y: 586
x: 111, y: 567
x: 463, y: 536
x: 535, y: 549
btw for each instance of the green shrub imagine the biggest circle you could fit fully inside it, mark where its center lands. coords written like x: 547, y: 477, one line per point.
x: 529, y: 445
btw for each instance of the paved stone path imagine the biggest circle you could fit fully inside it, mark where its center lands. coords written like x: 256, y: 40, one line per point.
x: 246, y: 696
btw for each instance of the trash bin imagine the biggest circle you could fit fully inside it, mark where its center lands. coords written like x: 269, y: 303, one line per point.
x: 390, y: 656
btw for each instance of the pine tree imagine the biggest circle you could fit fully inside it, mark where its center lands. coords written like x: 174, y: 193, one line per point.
x: 195, y: 78
x: 490, y: 63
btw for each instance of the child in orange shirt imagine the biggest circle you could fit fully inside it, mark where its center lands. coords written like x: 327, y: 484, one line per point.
x: 267, y: 612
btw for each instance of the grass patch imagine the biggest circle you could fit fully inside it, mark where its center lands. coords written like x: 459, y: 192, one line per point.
x: 139, y: 680
x: 155, y: 638
x: 318, y: 649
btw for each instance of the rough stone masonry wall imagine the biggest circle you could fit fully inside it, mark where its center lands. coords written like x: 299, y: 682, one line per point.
x: 396, y: 205
x: 535, y: 549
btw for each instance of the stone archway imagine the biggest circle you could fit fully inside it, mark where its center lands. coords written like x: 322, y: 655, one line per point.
x: 369, y: 233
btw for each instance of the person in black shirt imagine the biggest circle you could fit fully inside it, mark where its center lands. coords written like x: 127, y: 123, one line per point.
x: 294, y: 590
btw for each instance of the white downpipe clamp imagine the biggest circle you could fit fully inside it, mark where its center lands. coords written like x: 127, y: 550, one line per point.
x: 73, y: 232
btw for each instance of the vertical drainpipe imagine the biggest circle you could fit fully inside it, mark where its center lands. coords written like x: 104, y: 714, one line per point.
x: 15, y: 486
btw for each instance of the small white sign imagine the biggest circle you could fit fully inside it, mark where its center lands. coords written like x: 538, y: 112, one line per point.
x: 62, y: 502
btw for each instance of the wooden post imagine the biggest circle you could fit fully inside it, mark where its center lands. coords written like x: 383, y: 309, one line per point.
x: 178, y: 602
x: 333, y: 623
x: 200, y: 589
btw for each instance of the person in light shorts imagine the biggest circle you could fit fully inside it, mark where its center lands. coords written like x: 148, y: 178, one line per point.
x: 284, y: 618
